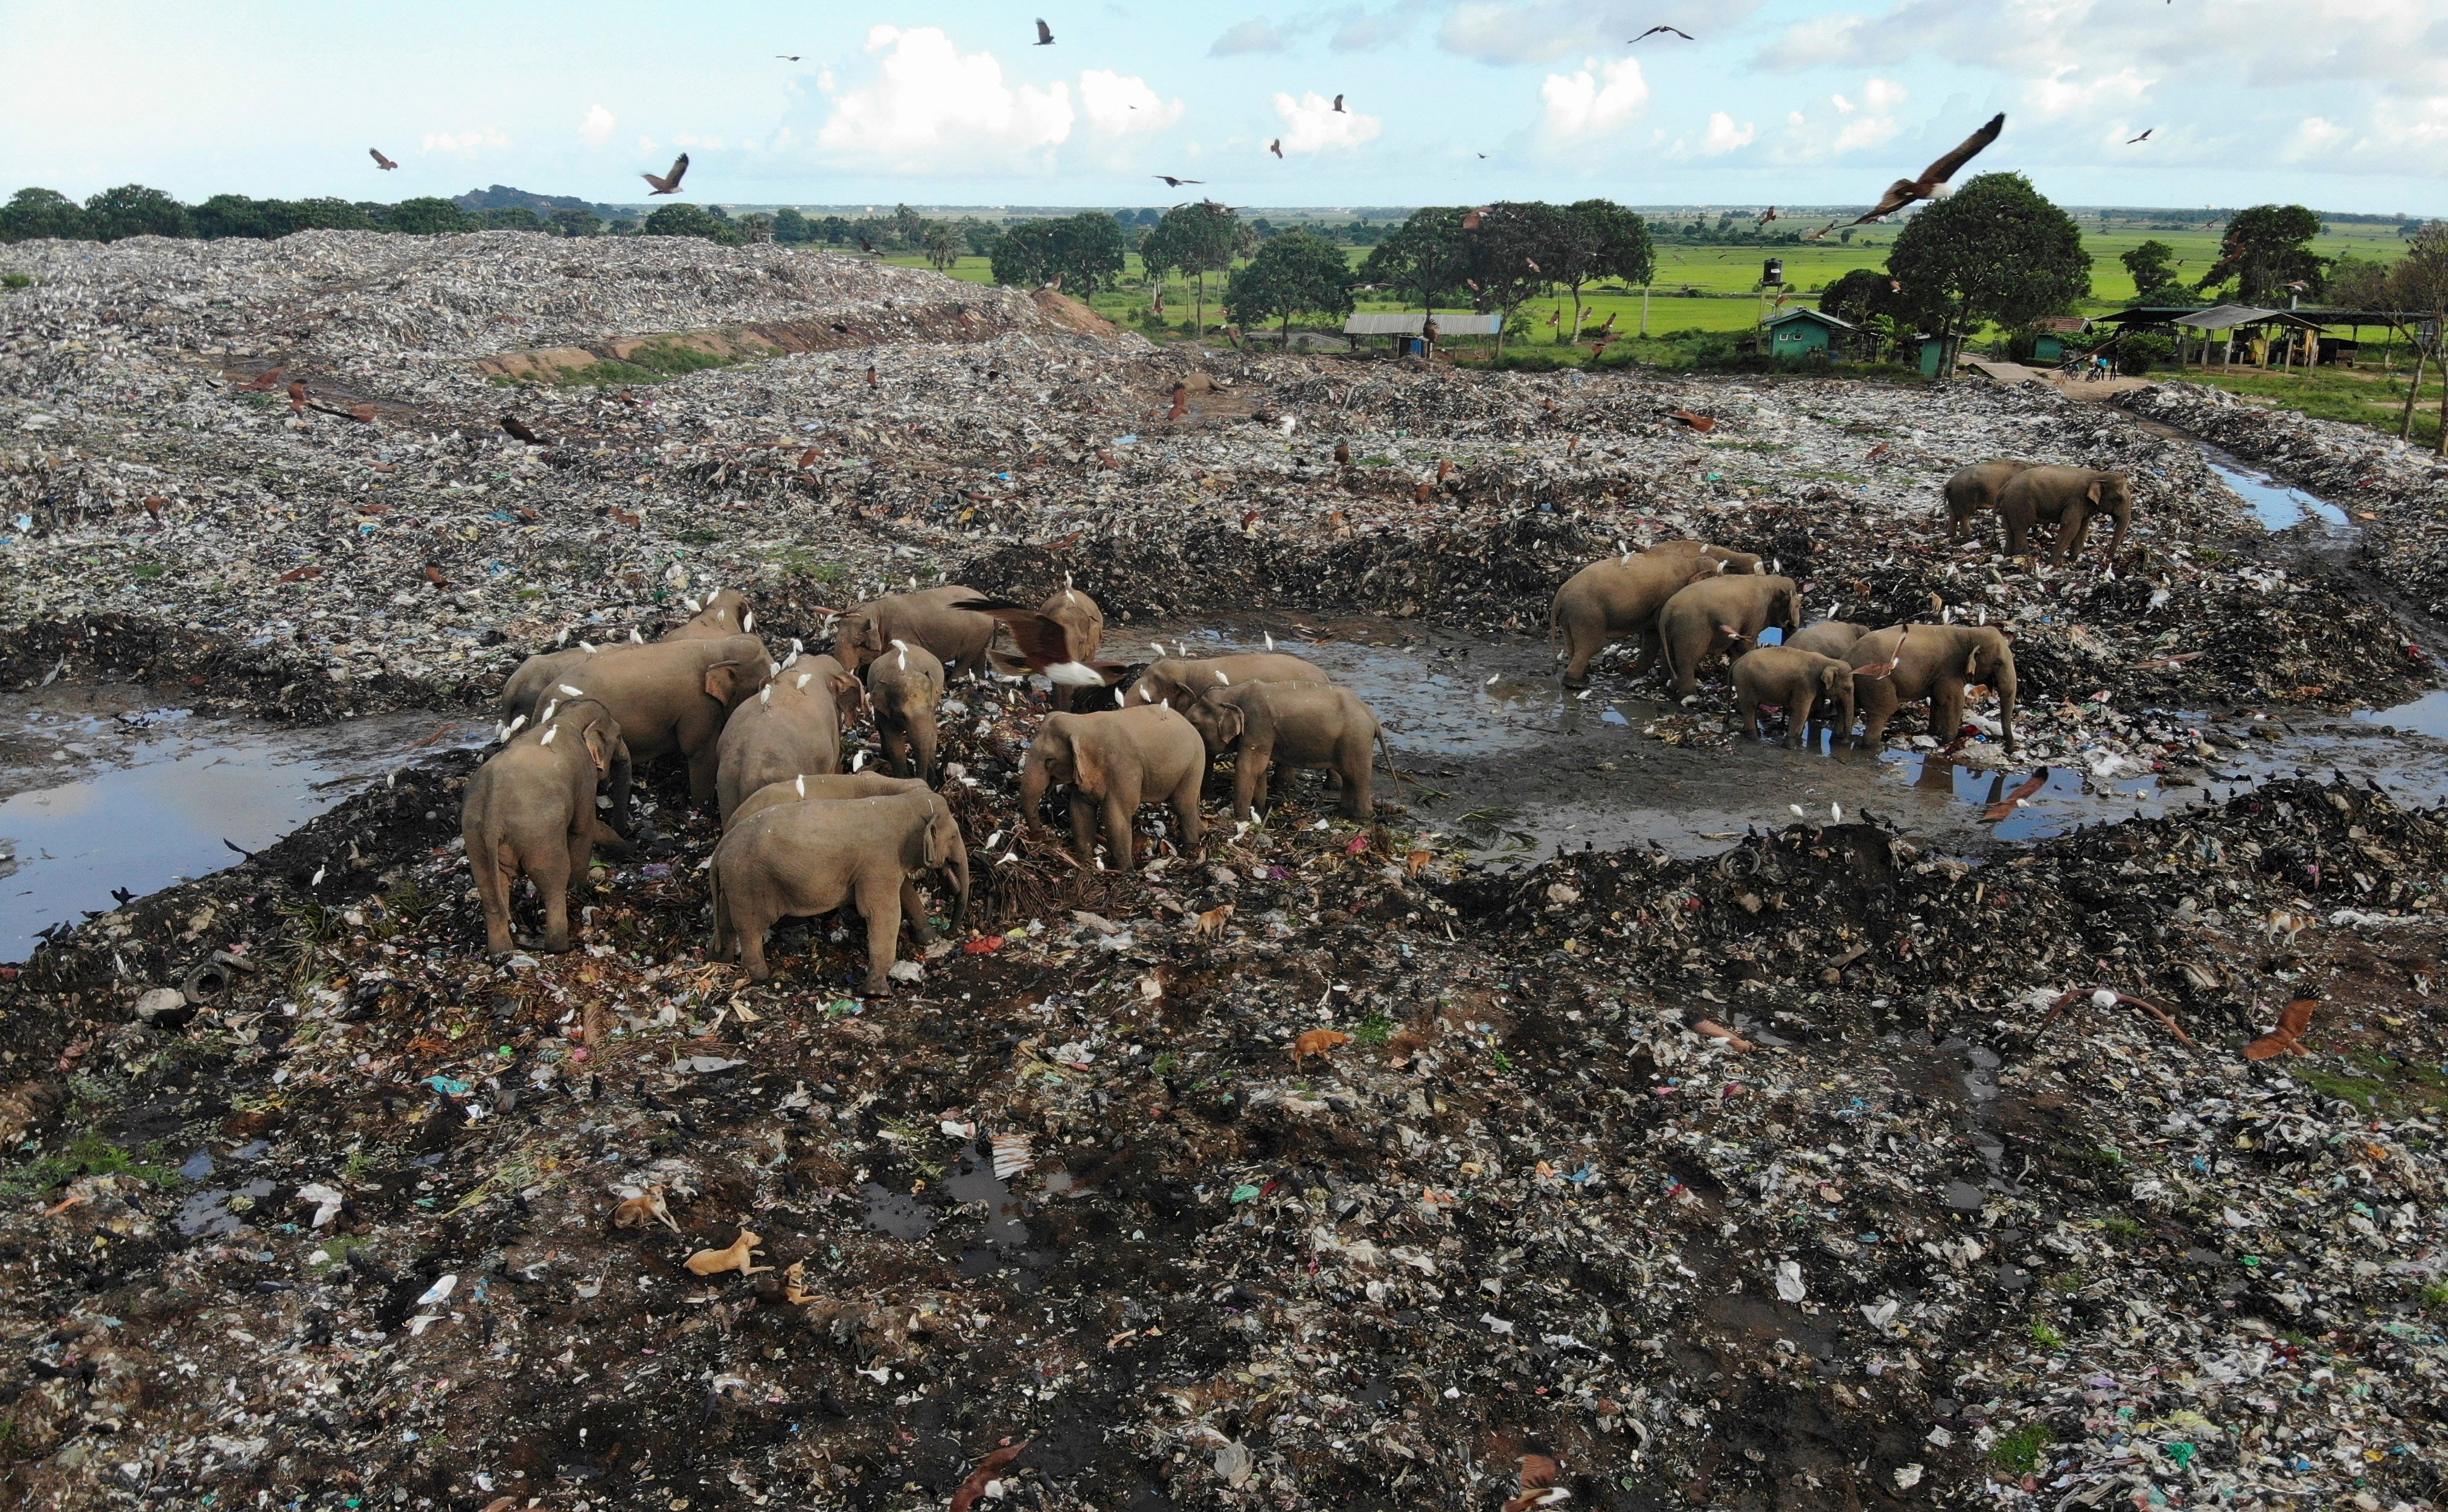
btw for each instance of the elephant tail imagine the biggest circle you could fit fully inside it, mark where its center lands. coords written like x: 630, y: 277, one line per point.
x: 1389, y: 752
x: 1666, y: 653
x: 722, y: 914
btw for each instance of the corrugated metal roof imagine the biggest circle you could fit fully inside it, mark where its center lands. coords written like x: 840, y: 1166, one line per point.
x: 1457, y: 323
x: 1820, y: 315
x: 2226, y: 317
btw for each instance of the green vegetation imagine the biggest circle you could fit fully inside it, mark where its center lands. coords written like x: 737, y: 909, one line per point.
x: 1996, y: 252
x: 653, y: 362
x: 1294, y: 273
x: 88, y: 1155
x: 2020, y: 1450
x: 2267, y: 250
x: 2046, y: 1336
x: 2375, y: 1080
x: 1375, y: 1030
x: 16, y: 280
x: 1084, y: 251
x: 2435, y: 1296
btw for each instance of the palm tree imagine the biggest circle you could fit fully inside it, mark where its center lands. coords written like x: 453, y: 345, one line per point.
x: 942, y: 246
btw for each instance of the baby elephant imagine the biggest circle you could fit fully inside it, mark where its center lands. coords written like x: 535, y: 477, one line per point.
x: 1180, y: 682
x: 1289, y: 725
x: 1112, y: 761
x: 725, y: 612
x: 792, y: 725
x: 2065, y: 498
x: 1807, y: 686
x: 531, y: 810
x: 800, y: 860
x: 904, y: 685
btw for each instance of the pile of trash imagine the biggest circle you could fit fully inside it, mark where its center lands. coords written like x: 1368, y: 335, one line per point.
x: 1312, y: 1166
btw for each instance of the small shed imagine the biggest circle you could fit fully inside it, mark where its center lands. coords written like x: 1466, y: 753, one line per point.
x: 2049, y: 334
x: 1409, y: 330
x: 1933, y: 355
x: 1796, y: 334
x: 2264, y: 332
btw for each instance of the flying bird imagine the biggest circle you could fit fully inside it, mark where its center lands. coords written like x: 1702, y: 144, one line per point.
x: 1046, y: 644
x: 1172, y: 182
x: 1338, y: 107
x: 2144, y: 137
x: 1483, y: 156
x: 1654, y: 30
x: 380, y: 162
x: 1768, y: 214
x: 670, y: 183
x: 1044, y: 33
x: 1933, y: 182
x: 1276, y: 146
x: 788, y: 57
x: 517, y: 429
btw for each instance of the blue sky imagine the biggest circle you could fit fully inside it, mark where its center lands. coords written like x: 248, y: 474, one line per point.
x: 2341, y: 103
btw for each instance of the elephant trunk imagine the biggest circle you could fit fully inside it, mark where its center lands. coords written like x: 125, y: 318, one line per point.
x: 956, y: 866
x: 1034, y: 780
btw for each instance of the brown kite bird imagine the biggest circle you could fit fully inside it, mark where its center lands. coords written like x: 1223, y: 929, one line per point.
x: 1276, y: 146
x: 1932, y: 185
x: 670, y: 183
x: 1338, y: 107
x: 1046, y: 644
x: 1045, y: 35
x: 517, y: 429
x: 380, y: 162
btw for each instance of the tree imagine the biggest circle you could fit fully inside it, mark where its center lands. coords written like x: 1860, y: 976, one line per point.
x: 1508, y: 260
x: 1194, y: 240
x: 1421, y: 259
x: 2152, y: 263
x: 35, y: 213
x: 1296, y: 272
x: 944, y: 245
x: 790, y: 228
x: 513, y: 217
x: 2264, y: 249
x: 426, y: 216
x: 324, y: 213
x: 133, y: 210
x: 576, y: 224
x: 1997, y: 250
x: 1600, y: 239
x: 2419, y: 284
x: 756, y: 228
x: 236, y: 215
x: 691, y: 220
x: 1085, y: 250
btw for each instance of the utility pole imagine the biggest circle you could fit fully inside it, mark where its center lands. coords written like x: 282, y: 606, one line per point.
x: 1644, y: 309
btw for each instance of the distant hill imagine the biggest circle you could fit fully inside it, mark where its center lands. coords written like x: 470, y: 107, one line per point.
x: 501, y: 197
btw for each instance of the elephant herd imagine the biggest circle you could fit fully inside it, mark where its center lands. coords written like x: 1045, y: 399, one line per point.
x: 762, y: 740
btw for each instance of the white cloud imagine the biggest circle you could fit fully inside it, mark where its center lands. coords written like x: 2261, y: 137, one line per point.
x: 1724, y: 136
x: 2061, y: 94
x: 1843, y: 106
x: 1587, y: 105
x: 597, y: 127
x: 932, y: 107
x: 467, y: 144
x: 1119, y: 104
x: 1883, y: 94
x: 1311, y: 123
x: 1257, y: 34
x: 686, y: 139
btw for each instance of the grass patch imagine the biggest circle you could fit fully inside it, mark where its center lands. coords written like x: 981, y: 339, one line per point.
x: 2380, y: 1083
x: 2046, y: 1336
x: 89, y: 1153
x: 2123, y: 1227
x: 804, y: 567
x: 1375, y: 1030
x: 2361, y: 396
x: 148, y: 569
x: 2020, y: 1450
x: 16, y: 280
x: 653, y: 362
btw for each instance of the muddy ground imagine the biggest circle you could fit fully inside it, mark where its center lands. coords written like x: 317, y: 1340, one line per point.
x: 1946, y: 1229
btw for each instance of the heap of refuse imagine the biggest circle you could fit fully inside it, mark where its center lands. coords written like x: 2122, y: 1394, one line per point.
x: 1315, y: 1166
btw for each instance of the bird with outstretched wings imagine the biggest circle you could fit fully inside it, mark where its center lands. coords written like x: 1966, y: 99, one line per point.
x: 2144, y: 137
x: 1044, y: 33
x: 380, y: 162
x: 1044, y: 645
x: 1934, y: 180
x: 1172, y: 182
x: 518, y: 430
x: 1276, y: 146
x: 1654, y: 30
x: 2289, y: 1033
x: 670, y: 183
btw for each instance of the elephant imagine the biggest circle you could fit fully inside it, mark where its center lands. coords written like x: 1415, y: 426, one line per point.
x: 1799, y: 682
x: 1718, y: 613
x: 957, y: 637
x: 726, y: 613
x: 1181, y: 683
x: 1083, y: 621
x: 1288, y: 725
x: 1906, y: 663
x: 792, y: 725
x: 1605, y: 598
x: 1112, y: 761
x: 1829, y: 638
x: 806, y: 859
x: 1974, y: 488
x: 670, y: 696
x: 2065, y: 497
x: 1734, y: 561
x: 531, y: 810
x: 870, y: 785
x: 904, y: 686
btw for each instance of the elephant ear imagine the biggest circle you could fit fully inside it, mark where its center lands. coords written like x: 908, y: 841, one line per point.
x: 847, y: 688
x: 722, y: 680
x: 2092, y: 492
x: 1833, y: 676
x: 934, y: 849
x: 1232, y: 720
x: 1704, y: 574
x: 597, y: 751
x: 1088, y: 772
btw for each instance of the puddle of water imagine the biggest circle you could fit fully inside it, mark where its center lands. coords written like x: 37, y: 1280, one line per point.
x: 207, y: 1214
x: 897, y: 1214
x: 1500, y: 758
x: 973, y: 1180
x: 150, y: 797
x: 2427, y: 715
x: 2278, y: 506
